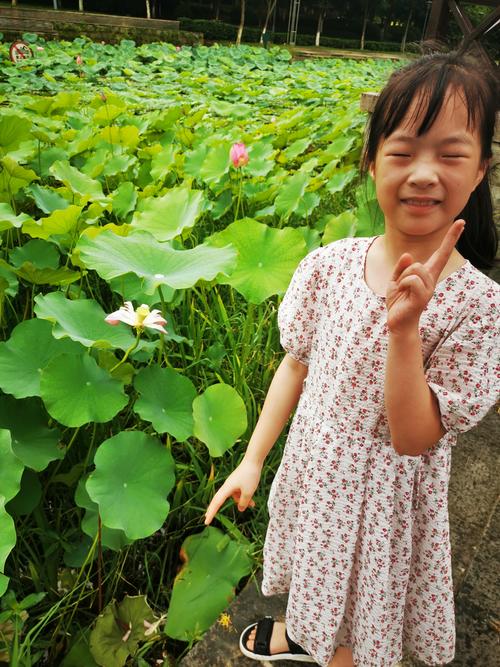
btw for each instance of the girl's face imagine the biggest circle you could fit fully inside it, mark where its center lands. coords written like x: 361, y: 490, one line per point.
x: 423, y: 182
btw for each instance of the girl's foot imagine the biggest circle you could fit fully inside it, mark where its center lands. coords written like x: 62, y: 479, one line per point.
x: 278, y: 642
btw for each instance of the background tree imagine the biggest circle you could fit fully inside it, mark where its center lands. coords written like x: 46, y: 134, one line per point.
x: 242, y: 22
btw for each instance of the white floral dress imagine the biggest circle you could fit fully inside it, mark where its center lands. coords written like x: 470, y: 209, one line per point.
x: 358, y: 534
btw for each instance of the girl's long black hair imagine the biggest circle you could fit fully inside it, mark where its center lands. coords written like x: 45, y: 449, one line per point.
x: 427, y: 80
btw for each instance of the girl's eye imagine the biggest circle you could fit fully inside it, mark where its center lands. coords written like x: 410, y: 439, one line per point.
x: 453, y: 156
x: 400, y: 154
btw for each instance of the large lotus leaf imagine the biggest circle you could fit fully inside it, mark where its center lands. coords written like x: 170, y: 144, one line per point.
x: 46, y: 199
x: 339, y: 227
x: 267, y: 257
x: 42, y: 254
x: 81, y: 320
x: 9, y: 219
x: 111, y: 537
x: 339, y: 179
x: 30, y: 347
x: 7, y: 542
x: 166, y: 400
x: 166, y: 217
x: 29, y: 494
x: 220, y: 418
x: 119, y: 630
x: 157, y: 263
x: 32, y: 441
x: 13, y: 131
x: 131, y: 288
x: 76, y: 391
x: 60, y: 276
x: 79, y: 654
x: 215, y: 164
x: 13, y: 176
x: 124, y: 199
x: 78, y: 182
x: 125, y: 135
x: 11, y: 471
x: 291, y: 194
x: 213, y: 566
x: 133, y: 474
x: 261, y: 154
x: 61, y: 221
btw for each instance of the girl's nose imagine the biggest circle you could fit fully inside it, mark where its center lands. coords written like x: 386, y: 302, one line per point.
x: 423, y: 173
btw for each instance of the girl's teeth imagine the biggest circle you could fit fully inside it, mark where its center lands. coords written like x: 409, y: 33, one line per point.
x: 417, y: 202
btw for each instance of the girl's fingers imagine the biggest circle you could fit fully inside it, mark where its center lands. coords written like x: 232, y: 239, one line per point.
x: 415, y: 284
x: 420, y: 270
x: 403, y: 262
x: 437, y: 261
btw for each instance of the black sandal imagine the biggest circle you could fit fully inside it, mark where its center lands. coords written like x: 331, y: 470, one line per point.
x: 262, y: 650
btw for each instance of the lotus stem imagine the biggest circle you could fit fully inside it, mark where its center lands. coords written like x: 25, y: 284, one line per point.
x: 130, y: 349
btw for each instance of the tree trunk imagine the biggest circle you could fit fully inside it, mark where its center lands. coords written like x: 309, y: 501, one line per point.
x: 403, y: 41
x: 271, y: 6
x: 148, y: 9
x: 321, y: 18
x: 80, y: 6
x: 55, y: 4
x: 365, y: 23
x: 14, y: 3
x: 217, y: 10
x: 242, y: 23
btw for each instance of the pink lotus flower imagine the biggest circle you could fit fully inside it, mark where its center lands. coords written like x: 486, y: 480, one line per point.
x: 238, y: 155
x: 103, y: 96
x: 40, y: 48
x: 79, y: 60
x: 140, y: 318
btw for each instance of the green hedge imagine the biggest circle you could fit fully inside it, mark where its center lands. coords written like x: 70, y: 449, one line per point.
x: 219, y: 31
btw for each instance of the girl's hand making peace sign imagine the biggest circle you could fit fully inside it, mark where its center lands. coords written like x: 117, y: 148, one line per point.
x: 412, y: 284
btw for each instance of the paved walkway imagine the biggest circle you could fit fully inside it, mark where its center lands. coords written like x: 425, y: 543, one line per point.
x: 475, y: 537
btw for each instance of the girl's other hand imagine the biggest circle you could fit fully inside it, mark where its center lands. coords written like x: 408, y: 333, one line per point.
x: 412, y: 284
x: 241, y: 485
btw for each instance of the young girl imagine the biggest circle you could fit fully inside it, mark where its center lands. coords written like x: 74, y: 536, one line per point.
x: 391, y: 349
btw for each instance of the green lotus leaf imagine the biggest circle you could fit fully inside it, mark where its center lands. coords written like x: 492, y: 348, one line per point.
x: 216, y: 164
x: 163, y: 162
x: 267, y: 257
x: 124, y: 199
x: 82, y: 321
x: 308, y: 203
x: 213, y: 566
x: 111, y: 643
x: 166, y: 400
x: 261, y: 158
x: 13, y: 177
x: 339, y: 227
x: 11, y: 469
x: 118, y: 164
x: 291, y: 194
x: 166, y: 217
x: 107, y: 114
x: 61, y: 276
x: 41, y: 254
x: 78, y: 182
x: 110, y: 537
x: 79, y: 654
x: 13, y: 131
x: 157, y: 263
x: 340, y: 179
x: 296, y: 148
x: 9, y: 219
x: 32, y: 441
x: 131, y: 288
x: 7, y: 542
x: 132, y: 498
x: 76, y: 391
x: 59, y: 222
x: 220, y: 417
x: 30, y: 347
x: 123, y: 135
x: 29, y: 494
x: 46, y: 199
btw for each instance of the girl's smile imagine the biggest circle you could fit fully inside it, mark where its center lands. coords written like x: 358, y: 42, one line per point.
x: 424, y: 182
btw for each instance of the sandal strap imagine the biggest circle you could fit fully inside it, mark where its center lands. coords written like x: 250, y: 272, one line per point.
x: 294, y: 648
x: 263, y: 634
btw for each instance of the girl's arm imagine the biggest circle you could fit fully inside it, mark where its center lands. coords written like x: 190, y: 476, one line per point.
x: 412, y: 409
x: 282, y: 397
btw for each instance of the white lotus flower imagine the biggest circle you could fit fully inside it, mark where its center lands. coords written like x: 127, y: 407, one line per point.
x: 140, y: 318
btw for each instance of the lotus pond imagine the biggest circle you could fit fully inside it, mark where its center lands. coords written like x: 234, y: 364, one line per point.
x: 116, y: 185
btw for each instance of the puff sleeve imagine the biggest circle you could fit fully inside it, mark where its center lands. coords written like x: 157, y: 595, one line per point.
x: 298, y: 312
x: 464, y: 370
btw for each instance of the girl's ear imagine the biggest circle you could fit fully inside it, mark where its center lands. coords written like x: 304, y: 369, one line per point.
x: 482, y: 171
x: 371, y: 170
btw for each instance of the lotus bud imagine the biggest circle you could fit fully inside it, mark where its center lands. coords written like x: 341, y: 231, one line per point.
x: 239, y: 155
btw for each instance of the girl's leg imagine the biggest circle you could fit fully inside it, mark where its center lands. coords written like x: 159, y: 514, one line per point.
x: 342, y: 658
x: 278, y: 641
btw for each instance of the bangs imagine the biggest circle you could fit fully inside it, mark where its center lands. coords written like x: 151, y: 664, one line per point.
x: 418, y: 91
